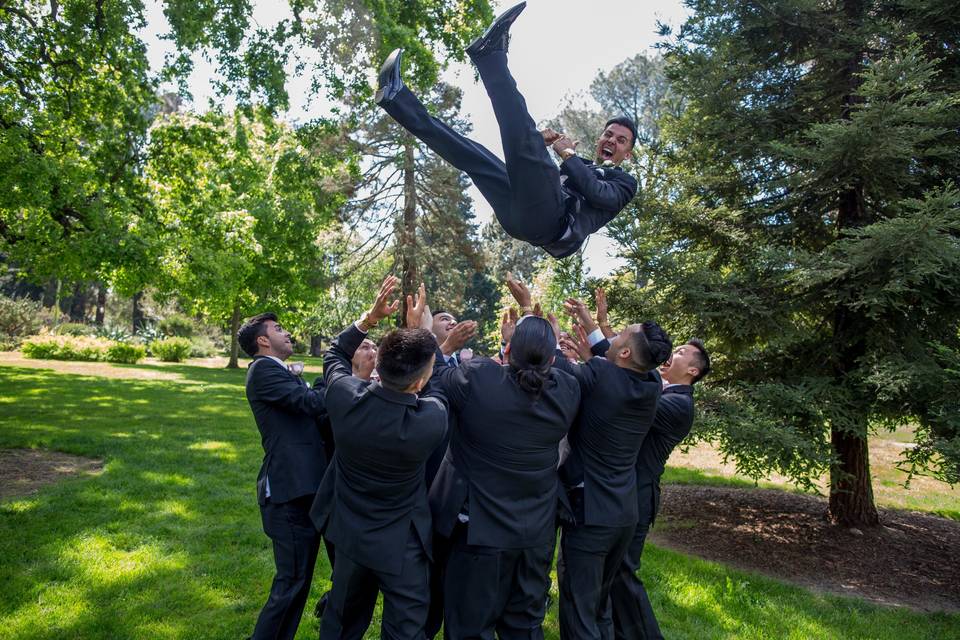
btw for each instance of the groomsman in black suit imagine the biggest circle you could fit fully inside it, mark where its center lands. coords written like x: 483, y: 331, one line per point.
x: 285, y: 410
x: 618, y: 401
x: 632, y: 613
x: 495, y: 496
x: 536, y: 202
x: 372, y: 504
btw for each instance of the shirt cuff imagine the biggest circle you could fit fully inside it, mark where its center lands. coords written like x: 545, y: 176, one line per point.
x: 356, y: 325
x: 595, y: 336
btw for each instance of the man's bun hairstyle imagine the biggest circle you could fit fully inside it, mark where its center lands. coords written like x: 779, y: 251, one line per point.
x: 624, y: 121
x: 651, y: 345
x: 251, y: 330
x: 532, y: 348
x: 403, y: 356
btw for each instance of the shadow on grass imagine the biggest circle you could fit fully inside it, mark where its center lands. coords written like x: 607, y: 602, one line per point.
x: 167, y: 542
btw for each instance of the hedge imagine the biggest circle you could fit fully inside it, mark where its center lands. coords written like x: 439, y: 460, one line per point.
x: 53, y: 347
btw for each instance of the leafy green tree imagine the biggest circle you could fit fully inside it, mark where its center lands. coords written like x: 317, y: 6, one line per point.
x: 243, y: 199
x: 75, y: 103
x: 812, y: 231
x: 395, y: 187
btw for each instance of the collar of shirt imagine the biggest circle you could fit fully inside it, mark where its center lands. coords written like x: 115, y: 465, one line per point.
x: 667, y: 385
x: 278, y: 361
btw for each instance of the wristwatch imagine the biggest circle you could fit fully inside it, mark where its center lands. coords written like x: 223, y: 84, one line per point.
x: 363, y: 324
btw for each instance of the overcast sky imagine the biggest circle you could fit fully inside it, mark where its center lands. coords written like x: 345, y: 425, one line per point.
x: 557, y: 48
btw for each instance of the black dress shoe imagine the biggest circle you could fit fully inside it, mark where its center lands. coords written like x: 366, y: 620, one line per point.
x: 389, y: 80
x: 321, y: 606
x: 497, y: 35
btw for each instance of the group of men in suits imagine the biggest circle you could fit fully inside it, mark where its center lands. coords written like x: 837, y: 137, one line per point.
x: 440, y: 482
x: 527, y: 441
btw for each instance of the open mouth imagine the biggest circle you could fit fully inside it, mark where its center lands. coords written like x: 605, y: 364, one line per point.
x: 606, y: 153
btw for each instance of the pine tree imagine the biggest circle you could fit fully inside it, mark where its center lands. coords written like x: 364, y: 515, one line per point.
x: 812, y: 231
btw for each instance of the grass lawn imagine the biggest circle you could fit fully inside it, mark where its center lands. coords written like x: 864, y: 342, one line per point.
x: 166, y: 542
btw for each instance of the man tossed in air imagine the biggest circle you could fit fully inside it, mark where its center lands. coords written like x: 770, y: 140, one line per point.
x: 536, y: 202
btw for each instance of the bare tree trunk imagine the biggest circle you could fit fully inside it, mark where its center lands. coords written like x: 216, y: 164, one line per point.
x: 408, y: 231
x: 234, y: 344
x: 316, y: 346
x: 78, y: 303
x: 101, y: 303
x: 851, y: 491
x: 138, y: 319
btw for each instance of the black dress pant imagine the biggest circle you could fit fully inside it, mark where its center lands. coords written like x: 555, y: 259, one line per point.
x: 524, y: 191
x: 491, y: 590
x: 438, y: 572
x: 632, y: 613
x: 353, y: 597
x: 590, y: 557
x: 295, y: 546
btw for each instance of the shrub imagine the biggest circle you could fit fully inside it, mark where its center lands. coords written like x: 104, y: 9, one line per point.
x: 177, y: 325
x: 202, y: 347
x: 171, y: 349
x: 53, y: 347
x: 74, y: 329
x: 115, y: 333
x: 125, y: 353
x: 19, y: 317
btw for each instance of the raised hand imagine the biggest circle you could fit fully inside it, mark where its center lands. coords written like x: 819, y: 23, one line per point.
x: 555, y: 325
x: 580, y: 313
x: 382, y: 307
x: 601, y: 299
x: 508, y: 324
x: 459, y: 336
x: 416, y: 307
x: 549, y: 136
x: 520, y: 293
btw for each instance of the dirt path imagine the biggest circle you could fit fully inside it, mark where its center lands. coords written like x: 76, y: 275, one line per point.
x: 911, y: 560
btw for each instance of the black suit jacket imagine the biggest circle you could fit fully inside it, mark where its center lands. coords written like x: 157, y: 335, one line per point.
x: 323, y: 423
x: 285, y: 410
x: 375, y: 490
x: 616, y: 411
x: 502, y: 460
x: 595, y: 195
x: 671, y: 425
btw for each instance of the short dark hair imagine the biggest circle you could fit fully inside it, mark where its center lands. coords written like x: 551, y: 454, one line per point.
x: 651, y: 346
x: 403, y: 356
x: 437, y: 312
x: 702, y: 358
x: 251, y: 330
x: 624, y: 121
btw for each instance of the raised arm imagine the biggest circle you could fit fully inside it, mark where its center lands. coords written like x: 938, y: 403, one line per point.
x: 336, y: 361
x: 608, y: 195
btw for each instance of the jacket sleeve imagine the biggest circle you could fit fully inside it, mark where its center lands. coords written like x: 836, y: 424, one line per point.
x: 276, y: 387
x: 586, y: 374
x: 336, y: 361
x: 674, y: 417
x: 606, y: 195
x: 450, y: 381
x: 601, y: 348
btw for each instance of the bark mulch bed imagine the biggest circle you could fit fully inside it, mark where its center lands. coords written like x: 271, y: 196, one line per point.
x: 25, y: 471
x: 911, y: 560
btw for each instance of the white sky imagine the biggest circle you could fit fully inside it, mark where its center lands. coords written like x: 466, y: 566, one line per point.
x: 556, y: 50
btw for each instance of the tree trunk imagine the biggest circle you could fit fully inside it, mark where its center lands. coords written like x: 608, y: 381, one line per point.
x: 50, y: 292
x: 851, y: 492
x: 138, y: 319
x: 316, y: 346
x: 234, y: 344
x: 101, y: 303
x: 408, y: 230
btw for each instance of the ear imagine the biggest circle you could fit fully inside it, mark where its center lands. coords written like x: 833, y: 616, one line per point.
x: 625, y: 353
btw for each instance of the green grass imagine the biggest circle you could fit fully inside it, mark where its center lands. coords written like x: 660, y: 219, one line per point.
x: 167, y: 543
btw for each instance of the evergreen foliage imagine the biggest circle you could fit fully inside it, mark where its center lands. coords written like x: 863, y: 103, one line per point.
x: 805, y: 219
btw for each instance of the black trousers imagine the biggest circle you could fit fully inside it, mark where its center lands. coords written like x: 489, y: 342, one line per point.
x: 590, y: 558
x: 438, y: 573
x: 491, y: 590
x: 632, y: 613
x: 524, y: 191
x: 353, y: 597
x: 295, y: 546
